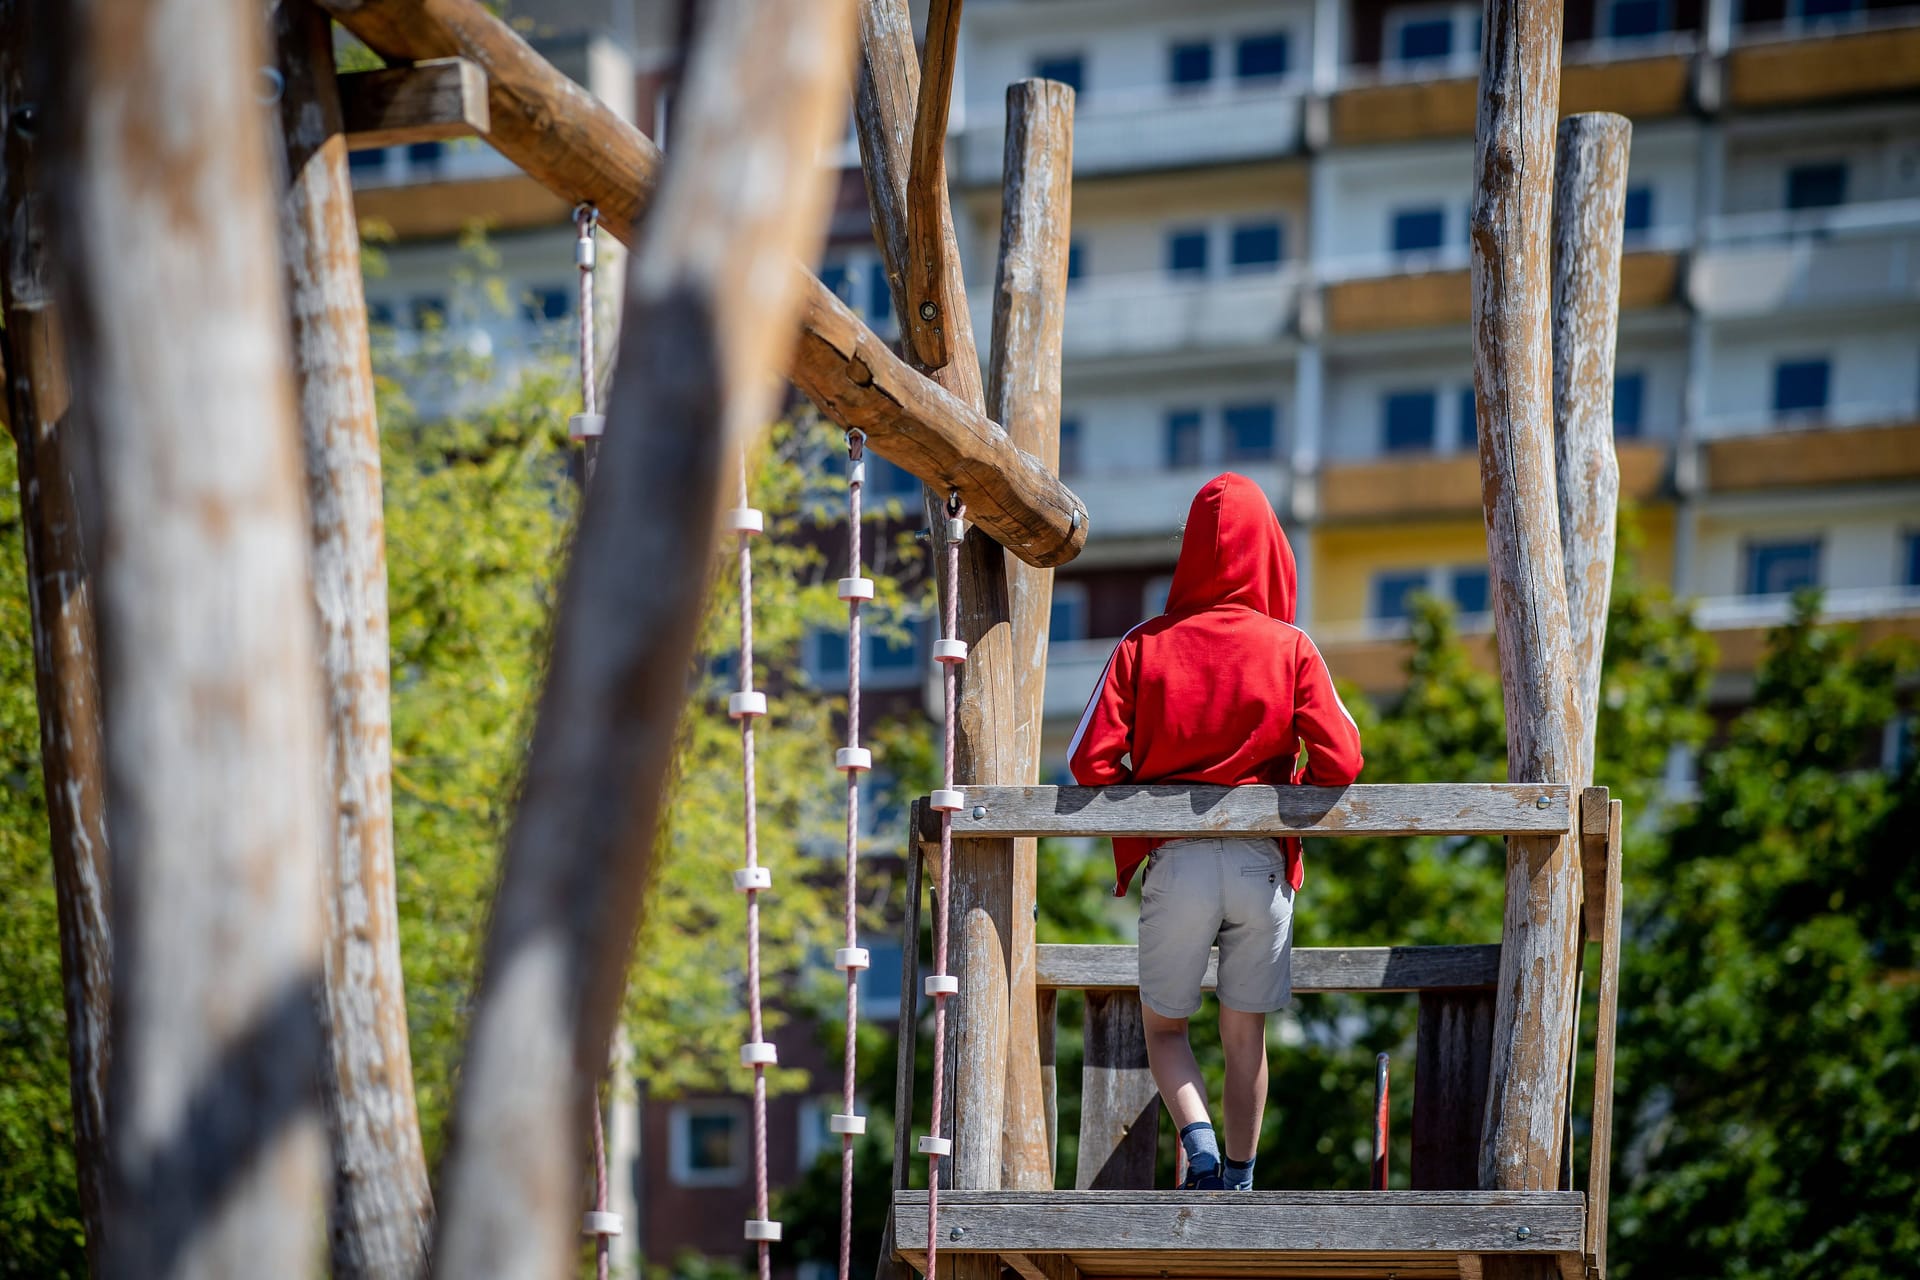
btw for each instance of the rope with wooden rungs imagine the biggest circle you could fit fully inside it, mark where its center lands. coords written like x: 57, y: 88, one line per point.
x: 746, y: 706
x: 949, y: 651
x: 852, y: 760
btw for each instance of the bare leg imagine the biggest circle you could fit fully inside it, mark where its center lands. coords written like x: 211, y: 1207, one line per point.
x: 1244, y: 1037
x: 1174, y: 1069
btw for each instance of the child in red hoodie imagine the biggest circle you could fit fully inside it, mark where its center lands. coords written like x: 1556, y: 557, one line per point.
x: 1222, y: 688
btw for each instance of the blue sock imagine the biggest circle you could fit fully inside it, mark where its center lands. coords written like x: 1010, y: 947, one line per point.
x: 1239, y: 1175
x: 1202, y: 1148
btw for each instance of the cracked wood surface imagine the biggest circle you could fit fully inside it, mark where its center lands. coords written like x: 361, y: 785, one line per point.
x: 428, y: 102
x: 924, y: 269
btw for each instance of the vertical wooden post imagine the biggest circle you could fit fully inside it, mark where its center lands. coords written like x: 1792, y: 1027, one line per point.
x: 1047, y: 1029
x: 1513, y: 380
x: 177, y: 324
x: 60, y: 595
x: 1119, y: 1103
x: 1023, y: 395
x: 1590, y: 185
x: 1452, y: 1042
x: 381, y: 1216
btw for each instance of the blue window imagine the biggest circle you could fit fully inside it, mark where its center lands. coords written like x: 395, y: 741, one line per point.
x: 1469, y: 419
x: 1183, y: 438
x: 1777, y: 568
x: 1393, y: 594
x: 1629, y: 403
x: 884, y: 480
x: 1409, y: 421
x: 1812, y: 11
x: 1261, y: 57
x: 834, y: 275
x: 1256, y: 246
x: 1471, y: 588
x: 1250, y: 432
x: 1800, y: 387
x: 425, y: 155
x: 547, y: 304
x: 880, y: 988
x: 1067, y: 619
x: 428, y: 312
x: 1068, y: 68
x: 886, y: 653
x: 1190, y: 64
x: 1418, y: 230
x: 1076, y: 261
x: 1912, y: 561
x: 1425, y: 40
x: 828, y: 657
x: 1187, y: 252
x: 1628, y: 19
x: 1069, y: 446
x: 1816, y: 186
x: 380, y: 313
x: 881, y: 310
x: 1638, y: 219
x: 367, y: 161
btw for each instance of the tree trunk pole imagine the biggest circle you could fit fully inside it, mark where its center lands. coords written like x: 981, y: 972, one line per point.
x: 60, y: 592
x: 1023, y: 394
x: 172, y: 287
x: 1513, y: 384
x: 382, y: 1209
x: 1590, y: 186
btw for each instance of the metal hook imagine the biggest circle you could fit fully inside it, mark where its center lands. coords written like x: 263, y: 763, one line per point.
x: 856, y: 443
x: 953, y: 502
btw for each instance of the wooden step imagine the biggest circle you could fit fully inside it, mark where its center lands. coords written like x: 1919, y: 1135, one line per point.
x: 1085, y: 1235
x: 1316, y: 970
x: 1384, y: 809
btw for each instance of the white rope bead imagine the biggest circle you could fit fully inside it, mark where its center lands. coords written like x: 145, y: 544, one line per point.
x: 587, y: 426
x: 750, y: 703
x: 847, y: 1124
x: 956, y: 529
x: 851, y: 958
x: 942, y: 984
x: 762, y: 1229
x: 857, y: 472
x: 853, y: 759
x: 759, y: 1053
x: 947, y: 800
x: 949, y: 650
x: 936, y: 1146
x: 752, y: 878
x: 598, y: 1222
x: 856, y: 589
x: 746, y: 520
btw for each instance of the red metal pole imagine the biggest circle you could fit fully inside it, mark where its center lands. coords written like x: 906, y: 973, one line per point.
x: 1380, y: 1123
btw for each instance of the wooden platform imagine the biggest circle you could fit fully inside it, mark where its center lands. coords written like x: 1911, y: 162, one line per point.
x: 1070, y: 1235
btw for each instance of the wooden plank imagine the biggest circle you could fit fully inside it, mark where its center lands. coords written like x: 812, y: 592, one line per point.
x: 1600, y: 1168
x: 1316, y: 970
x: 381, y: 1213
x: 61, y: 592
x: 1119, y: 1103
x: 1590, y: 184
x: 428, y: 102
x: 1371, y: 809
x: 576, y: 146
x: 1023, y: 392
x: 1041, y: 1266
x: 1047, y: 1026
x: 1226, y: 1228
x: 710, y: 301
x: 1453, y: 1048
x: 924, y: 270
x: 1595, y: 812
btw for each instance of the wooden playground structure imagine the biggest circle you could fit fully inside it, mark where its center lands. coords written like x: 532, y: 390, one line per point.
x: 151, y: 255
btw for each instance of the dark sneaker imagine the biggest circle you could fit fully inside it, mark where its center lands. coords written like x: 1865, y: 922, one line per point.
x: 1203, y: 1180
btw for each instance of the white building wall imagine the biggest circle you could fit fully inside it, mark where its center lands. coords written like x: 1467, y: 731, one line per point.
x: 1875, y: 369
x: 1862, y: 538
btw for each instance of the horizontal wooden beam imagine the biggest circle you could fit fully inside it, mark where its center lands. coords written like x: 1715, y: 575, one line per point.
x: 1379, y: 809
x: 1316, y: 970
x: 1201, y: 1233
x: 576, y: 146
x: 428, y: 102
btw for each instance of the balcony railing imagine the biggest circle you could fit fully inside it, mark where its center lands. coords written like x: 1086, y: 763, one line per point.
x: 1851, y: 604
x: 1152, y: 501
x: 1850, y: 416
x: 1755, y: 263
x: 1157, y: 313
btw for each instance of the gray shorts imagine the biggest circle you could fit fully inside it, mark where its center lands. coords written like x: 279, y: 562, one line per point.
x: 1197, y: 891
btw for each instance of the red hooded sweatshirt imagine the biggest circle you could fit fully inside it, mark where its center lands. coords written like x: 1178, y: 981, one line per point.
x: 1222, y: 688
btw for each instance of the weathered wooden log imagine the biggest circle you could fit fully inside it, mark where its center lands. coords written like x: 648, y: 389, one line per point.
x: 382, y: 1210
x: 176, y: 318
x: 574, y: 144
x: 1452, y: 1044
x: 710, y: 302
x: 1600, y: 1161
x: 1119, y: 1103
x: 1590, y: 187
x: 60, y: 596
x: 1511, y: 222
x: 924, y: 318
x: 1316, y: 970
x: 429, y: 102
x: 1023, y: 393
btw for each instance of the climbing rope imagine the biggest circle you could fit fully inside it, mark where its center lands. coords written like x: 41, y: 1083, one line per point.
x: 852, y: 760
x: 949, y: 651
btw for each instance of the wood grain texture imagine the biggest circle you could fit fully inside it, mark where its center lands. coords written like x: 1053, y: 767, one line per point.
x: 1600, y: 1169
x: 1372, y: 809
x: 171, y: 286
x: 431, y: 101
x: 924, y: 317
x: 381, y: 1215
x: 1119, y: 1103
x: 60, y: 599
x: 1237, y: 1227
x: 573, y: 144
x: 1046, y: 1002
x: 1510, y: 226
x: 709, y: 304
x: 1593, y: 861
x: 1041, y: 1266
x: 1589, y: 202
x: 1453, y: 1044
x: 1023, y: 393
x: 1316, y: 970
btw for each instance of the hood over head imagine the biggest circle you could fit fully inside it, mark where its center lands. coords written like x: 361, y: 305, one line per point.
x: 1233, y: 553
